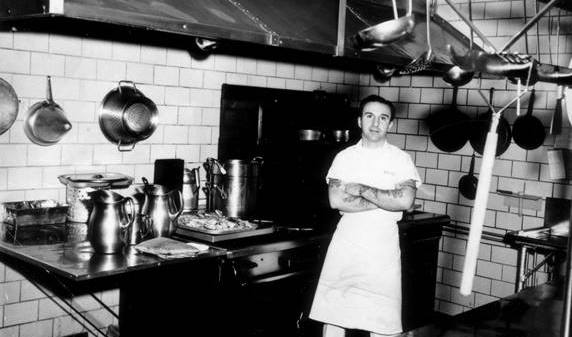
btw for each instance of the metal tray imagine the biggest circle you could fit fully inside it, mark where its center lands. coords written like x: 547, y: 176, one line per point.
x: 216, y: 236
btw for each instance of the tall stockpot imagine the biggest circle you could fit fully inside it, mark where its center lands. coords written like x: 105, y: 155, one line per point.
x: 233, y: 186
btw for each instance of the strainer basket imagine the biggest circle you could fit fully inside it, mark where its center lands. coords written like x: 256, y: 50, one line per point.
x: 126, y: 116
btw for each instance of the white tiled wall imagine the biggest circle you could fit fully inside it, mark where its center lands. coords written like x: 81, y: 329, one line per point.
x: 187, y: 92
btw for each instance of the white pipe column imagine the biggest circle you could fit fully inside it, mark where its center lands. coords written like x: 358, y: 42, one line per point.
x: 479, y: 211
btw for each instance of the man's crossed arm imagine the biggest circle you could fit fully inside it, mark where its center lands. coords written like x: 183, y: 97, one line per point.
x: 353, y: 197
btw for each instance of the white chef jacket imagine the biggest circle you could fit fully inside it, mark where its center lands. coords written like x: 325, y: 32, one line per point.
x: 360, y: 282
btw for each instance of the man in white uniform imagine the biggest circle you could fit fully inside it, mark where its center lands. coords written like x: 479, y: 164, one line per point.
x: 370, y: 183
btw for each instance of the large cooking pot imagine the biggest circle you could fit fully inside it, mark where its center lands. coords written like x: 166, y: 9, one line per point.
x: 528, y: 131
x: 234, y: 189
x: 126, y: 116
x: 78, y: 187
x: 478, y: 136
x: 448, y: 127
x: 8, y: 106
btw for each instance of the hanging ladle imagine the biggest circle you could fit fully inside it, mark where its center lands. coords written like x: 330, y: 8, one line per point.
x: 457, y: 76
x: 386, y: 32
x: 424, y: 60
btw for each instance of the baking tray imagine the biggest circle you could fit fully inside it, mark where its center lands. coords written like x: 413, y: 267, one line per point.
x: 217, y: 236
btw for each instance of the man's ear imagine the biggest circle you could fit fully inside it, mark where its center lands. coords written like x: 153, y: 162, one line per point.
x: 359, y: 122
x: 390, y: 125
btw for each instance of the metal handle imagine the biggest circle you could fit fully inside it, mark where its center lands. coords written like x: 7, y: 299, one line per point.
x: 132, y: 213
x: 125, y: 81
x: 124, y: 149
x: 172, y: 216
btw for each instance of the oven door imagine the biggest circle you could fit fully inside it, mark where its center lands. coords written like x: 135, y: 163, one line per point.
x: 270, y: 294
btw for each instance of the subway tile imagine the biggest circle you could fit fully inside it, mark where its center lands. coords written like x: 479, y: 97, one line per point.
x: 37, y: 329
x: 445, y: 260
x: 140, y: 154
x: 278, y: 83
x: 446, y: 194
x: 47, y: 64
x: 426, y: 159
x: 453, y: 245
x: 294, y: 84
x: 125, y: 51
x: 6, y: 39
x: 24, y: 177
x: 192, y: 78
x: 502, y: 289
x: 213, y: 79
x: 538, y: 188
x: 155, y: 93
x: 110, y: 297
x: 85, y: 303
x: 205, y: 98
x: 400, y: 81
x: 50, y: 176
x: 66, y: 325
x: 449, y: 162
x: 334, y: 76
x: 364, y: 79
x: 18, y: 313
x: 266, y: 68
x: 139, y: 73
x: 525, y: 170
x: 431, y: 96
x: 407, y: 126
x: 409, y: 95
x: 468, y: 301
x: 256, y: 81
x: 94, y: 91
x: 44, y: 155
x: 175, y: 134
x: 319, y: 74
x: 481, y: 299
x: 33, y: 87
x: 162, y: 151
x: 75, y: 154
x: 31, y: 41
x: 12, y: 155
x: 166, y: 75
x: 451, y: 277
x: 106, y: 154
x: 459, y: 213
x: 111, y: 70
x: 168, y: 114
x: 449, y: 308
x: 504, y: 255
x: 190, y: 153
x: 10, y: 292
x: 416, y: 143
x: 199, y: 135
x: 190, y: 116
x: 178, y: 58
x: 30, y: 292
x: 177, y: 96
x: 416, y: 111
x: 90, y: 133
x: 96, y: 48
x: 509, y: 273
x: 245, y: 65
x: 443, y: 291
x: 422, y: 81
x: 351, y: 78
x: 153, y: 54
x: 208, y: 151
x: 225, y: 63
x: 12, y: 331
x: 78, y: 67
x: 285, y: 70
x: 65, y: 44
x: 482, y: 285
x: 532, y: 222
x: 489, y: 269
x: 238, y: 79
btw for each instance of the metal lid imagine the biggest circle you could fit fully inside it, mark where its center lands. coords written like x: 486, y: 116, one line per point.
x: 96, y: 180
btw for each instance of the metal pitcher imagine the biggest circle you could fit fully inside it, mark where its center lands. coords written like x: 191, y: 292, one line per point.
x: 109, y: 220
x: 191, y: 184
x: 162, y: 209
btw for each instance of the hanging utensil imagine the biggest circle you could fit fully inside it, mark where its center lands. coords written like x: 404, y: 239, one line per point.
x: 424, y: 60
x: 468, y: 183
x: 556, y: 122
x: 386, y: 32
x: 457, y: 76
x: 8, y: 106
x: 527, y: 130
x: 448, y: 127
x: 45, y: 123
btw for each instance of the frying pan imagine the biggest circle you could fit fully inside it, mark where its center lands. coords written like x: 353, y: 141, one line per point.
x: 479, y: 134
x: 446, y: 127
x: 527, y: 130
x: 468, y: 183
x: 8, y: 106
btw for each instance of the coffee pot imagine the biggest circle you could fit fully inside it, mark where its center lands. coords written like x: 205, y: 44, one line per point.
x: 191, y: 184
x: 109, y: 220
x: 161, y: 209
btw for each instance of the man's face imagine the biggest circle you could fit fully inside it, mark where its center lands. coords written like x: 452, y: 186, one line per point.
x: 375, y: 122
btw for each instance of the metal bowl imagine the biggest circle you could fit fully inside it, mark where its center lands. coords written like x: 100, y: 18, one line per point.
x: 309, y: 134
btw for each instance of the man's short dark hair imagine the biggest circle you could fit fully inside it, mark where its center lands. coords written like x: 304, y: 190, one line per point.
x: 379, y: 99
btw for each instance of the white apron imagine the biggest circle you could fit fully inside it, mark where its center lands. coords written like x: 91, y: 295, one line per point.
x: 360, y: 282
